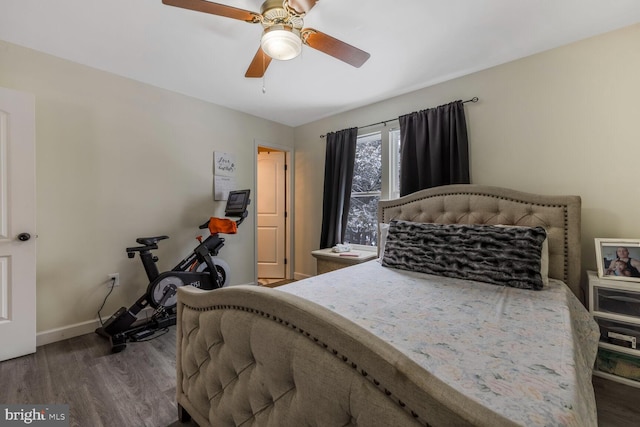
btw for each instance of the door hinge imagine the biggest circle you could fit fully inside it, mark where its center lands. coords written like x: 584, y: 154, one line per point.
x: 285, y: 261
x: 286, y: 214
x: 285, y: 167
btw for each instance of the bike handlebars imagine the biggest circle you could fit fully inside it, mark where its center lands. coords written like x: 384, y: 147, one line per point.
x: 150, y: 243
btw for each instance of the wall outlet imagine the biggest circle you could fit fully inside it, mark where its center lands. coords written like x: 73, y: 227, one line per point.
x: 115, y: 277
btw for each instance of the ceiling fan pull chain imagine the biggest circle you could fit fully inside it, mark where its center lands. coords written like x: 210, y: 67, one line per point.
x: 264, y: 78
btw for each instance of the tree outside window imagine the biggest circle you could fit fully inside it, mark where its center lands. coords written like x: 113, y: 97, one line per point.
x: 375, y: 176
x: 366, y: 190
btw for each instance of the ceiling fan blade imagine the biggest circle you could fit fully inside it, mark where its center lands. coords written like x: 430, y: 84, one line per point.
x: 215, y: 9
x: 334, y: 47
x: 258, y: 65
x: 302, y: 6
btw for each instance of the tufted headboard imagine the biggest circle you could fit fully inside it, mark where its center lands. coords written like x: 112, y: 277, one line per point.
x: 480, y: 204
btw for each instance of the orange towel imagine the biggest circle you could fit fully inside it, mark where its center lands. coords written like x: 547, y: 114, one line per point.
x: 222, y: 225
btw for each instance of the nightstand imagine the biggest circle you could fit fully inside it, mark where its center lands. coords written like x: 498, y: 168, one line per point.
x: 327, y: 260
x: 615, y: 305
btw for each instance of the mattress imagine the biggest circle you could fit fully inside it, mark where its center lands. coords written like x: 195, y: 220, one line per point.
x: 527, y: 355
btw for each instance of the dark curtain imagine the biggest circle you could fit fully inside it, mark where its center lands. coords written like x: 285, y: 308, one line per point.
x: 338, y: 176
x: 434, y: 149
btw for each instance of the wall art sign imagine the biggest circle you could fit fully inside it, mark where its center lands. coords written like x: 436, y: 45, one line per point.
x: 224, y: 164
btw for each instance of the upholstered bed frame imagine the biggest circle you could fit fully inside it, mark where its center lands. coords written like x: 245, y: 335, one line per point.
x: 252, y: 356
x: 478, y: 204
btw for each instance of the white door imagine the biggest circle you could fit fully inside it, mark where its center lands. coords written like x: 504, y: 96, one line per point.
x: 17, y: 224
x: 271, y: 215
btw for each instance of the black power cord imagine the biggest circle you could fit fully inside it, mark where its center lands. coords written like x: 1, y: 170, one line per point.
x: 113, y: 285
x: 156, y: 334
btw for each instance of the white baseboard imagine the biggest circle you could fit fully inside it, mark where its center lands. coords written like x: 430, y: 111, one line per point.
x: 66, y: 332
x: 82, y: 328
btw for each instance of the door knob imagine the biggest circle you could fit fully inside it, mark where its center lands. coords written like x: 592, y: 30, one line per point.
x: 23, y: 237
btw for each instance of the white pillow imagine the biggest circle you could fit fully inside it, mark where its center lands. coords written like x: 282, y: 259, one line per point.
x: 383, y: 230
x: 544, y: 261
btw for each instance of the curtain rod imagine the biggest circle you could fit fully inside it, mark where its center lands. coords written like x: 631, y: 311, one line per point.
x: 474, y: 99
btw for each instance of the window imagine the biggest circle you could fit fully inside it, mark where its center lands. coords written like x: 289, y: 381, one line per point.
x: 375, y: 176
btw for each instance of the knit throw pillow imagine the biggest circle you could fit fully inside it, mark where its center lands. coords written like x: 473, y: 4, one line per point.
x: 509, y: 256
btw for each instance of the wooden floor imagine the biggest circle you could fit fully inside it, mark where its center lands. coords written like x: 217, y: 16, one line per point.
x: 137, y: 386
x: 133, y: 388
x: 274, y: 283
x: 618, y: 404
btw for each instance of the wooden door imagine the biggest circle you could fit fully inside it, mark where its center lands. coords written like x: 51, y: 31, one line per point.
x: 271, y: 215
x: 17, y: 225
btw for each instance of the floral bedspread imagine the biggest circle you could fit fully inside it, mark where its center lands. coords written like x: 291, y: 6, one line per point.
x: 525, y: 354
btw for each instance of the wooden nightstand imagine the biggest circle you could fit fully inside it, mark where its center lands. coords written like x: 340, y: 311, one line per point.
x: 615, y: 305
x: 327, y: 260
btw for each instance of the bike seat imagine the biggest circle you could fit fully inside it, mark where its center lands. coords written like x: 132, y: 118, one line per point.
x: 147, y: 241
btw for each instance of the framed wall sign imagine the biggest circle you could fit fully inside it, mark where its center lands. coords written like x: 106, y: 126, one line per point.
x: 224, y: 164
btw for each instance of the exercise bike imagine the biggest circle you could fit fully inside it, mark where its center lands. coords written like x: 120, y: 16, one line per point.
x: 201, y: 269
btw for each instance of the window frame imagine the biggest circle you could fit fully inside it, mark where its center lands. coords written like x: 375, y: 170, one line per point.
x: 390, y: 166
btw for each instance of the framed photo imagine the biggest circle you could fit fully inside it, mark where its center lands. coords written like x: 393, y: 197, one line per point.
x: 618, y: 259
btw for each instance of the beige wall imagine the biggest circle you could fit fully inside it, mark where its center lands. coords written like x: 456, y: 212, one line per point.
x: 565, y: 121
x: 116, y: 160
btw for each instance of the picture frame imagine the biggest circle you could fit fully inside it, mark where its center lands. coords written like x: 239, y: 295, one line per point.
x: 618, y: 259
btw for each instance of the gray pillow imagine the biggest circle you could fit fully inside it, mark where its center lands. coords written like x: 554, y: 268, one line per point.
x: 509, y: 256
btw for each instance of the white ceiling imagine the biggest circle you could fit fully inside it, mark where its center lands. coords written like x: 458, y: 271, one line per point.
x: 413, y: 44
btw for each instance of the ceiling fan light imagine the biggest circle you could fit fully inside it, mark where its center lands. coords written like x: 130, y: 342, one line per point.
x: 281, y: 42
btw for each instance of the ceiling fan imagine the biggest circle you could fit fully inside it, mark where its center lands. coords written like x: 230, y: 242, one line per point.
x: 283, y: 34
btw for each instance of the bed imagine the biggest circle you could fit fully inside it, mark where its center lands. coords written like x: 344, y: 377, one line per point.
x: 382, y: 344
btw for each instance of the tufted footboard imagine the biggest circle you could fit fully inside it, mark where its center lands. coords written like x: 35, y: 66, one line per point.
x: 250, y: 356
